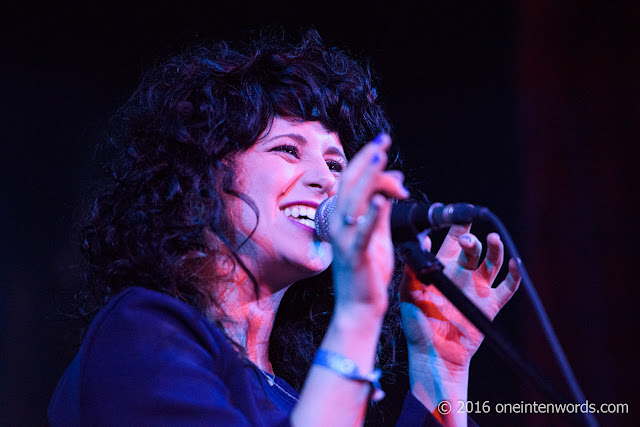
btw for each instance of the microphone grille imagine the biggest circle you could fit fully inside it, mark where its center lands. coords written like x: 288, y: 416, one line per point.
x: 323, y: 213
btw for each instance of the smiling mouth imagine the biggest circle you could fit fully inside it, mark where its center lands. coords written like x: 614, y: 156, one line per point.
x: 303, y: 214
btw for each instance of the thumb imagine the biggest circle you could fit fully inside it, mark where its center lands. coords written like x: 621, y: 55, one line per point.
x: 425, y: 241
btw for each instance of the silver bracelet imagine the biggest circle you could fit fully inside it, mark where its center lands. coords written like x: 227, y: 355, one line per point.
x: 347, y: 368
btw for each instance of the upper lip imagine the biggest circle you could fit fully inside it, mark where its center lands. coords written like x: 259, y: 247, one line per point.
x: 301, y: 202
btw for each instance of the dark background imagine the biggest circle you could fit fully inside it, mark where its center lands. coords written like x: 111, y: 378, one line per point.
x: 529, y: 108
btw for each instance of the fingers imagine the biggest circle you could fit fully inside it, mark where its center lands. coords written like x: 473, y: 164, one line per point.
x: 450, y: 247
x: 493, y: 260
x: 364, y: 189
x: 509, y: 285
x: 377, y: 216
x: 367, y: 162
x: 466, y: 248
x: 389, y: 183
x: 425, y: 241
x: 365, y: 176
x: 471, y: 249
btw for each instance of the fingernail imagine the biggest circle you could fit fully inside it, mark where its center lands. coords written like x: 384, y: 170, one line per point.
x: 375, y: 159
x: 405, y: 191
x: 465, y: 239
x: 379, y: 139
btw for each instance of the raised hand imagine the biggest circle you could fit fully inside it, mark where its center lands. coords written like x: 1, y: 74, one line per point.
x: 363, y: 261
x: 360, y: 228
x: 432, y: 324
x: 440, y: 339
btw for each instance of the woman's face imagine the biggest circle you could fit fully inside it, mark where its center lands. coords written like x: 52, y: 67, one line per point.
x: 287, y: 173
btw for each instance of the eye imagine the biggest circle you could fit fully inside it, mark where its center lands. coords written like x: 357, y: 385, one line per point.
x: 335, y: 166
x: 289, y: 149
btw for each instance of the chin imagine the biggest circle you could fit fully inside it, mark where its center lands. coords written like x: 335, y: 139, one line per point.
x: 319, y: 267
x: 318, y: 259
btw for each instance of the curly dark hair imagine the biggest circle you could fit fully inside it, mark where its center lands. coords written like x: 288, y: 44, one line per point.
x: 160, y: 219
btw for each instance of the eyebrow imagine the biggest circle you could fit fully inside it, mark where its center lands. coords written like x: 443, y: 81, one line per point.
x: 302, y: 140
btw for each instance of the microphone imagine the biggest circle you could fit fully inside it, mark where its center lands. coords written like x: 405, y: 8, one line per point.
x: 408, y: 218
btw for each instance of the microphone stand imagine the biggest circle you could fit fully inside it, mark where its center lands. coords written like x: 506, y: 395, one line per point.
x: 429, y: 270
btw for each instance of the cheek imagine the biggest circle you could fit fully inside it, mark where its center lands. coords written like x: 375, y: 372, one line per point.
x: 257, y: 173
x: 262, y: 191
x: 242, y: 216
x: 335, y: 188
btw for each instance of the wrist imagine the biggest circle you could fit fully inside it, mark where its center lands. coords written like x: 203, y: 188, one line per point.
x: 348, y: 369
x: 354, y: 332
x: 359, y: 315
x: 433, y: 381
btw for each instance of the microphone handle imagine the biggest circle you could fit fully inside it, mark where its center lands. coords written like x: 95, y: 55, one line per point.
x: 410, y: 219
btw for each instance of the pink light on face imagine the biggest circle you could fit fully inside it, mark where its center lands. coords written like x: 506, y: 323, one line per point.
x: 295, y: 165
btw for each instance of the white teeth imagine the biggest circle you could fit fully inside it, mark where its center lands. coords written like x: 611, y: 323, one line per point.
x: 298, y: 213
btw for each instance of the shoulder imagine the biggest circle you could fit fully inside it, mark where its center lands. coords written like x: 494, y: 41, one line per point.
x: 140, y: 317
x: 147, y: 346
x: 150, y: 358
x: 140, y: 301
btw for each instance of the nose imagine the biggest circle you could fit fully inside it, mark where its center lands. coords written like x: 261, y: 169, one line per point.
x: 319, y: 177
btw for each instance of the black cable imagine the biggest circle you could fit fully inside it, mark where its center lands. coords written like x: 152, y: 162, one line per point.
x: 578, y: 397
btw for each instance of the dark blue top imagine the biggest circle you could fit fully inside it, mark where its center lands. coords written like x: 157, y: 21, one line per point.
x: 149, y: 358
